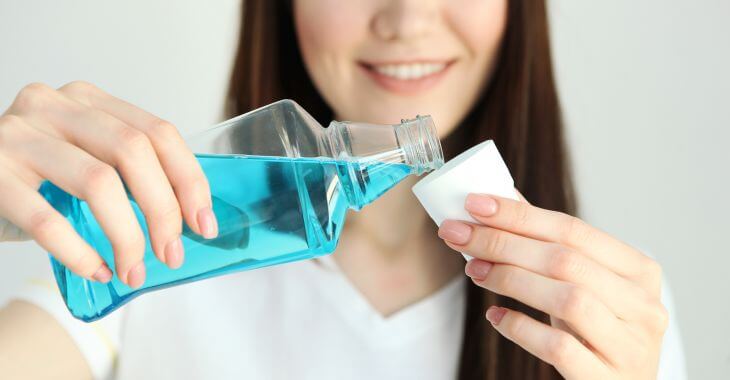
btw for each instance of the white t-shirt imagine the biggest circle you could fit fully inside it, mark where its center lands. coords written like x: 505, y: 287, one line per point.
x: 301, y: 320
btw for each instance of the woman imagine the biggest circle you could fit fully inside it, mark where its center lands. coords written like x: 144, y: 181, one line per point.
x: 560, y: 296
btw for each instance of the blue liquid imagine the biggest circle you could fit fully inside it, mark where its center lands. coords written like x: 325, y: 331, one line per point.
x: 270, y: 210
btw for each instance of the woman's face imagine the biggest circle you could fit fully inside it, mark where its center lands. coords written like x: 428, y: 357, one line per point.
x: 384, y: 60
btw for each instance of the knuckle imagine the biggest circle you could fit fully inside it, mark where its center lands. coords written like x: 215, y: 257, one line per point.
x: 575, y: 303
x: 9, y: 125
x: 45, y: 225
x: 200, y: 183
x: 652, y: 270
x: 659, y: 319
x: 576, y: 232
x: 35, y: 87
x: 193, y: 191
x: 132, y: 142
x: 516, y: 326
x: 84, y: 264
x: 504, y: 278
x: 135, y: 245
x: 129, y: 250
x: 565, y: 264
x: 10, y: 121
x: 169, y: 214
x: 80, y: 87
x: 33, y: 96
x: 559, y: 348
x: 162, y: 130
x: 521, y: 216
x: 99, y: 178
x: 496, y: 244
x: 199, y: 195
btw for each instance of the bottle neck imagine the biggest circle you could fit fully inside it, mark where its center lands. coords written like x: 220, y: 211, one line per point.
x: 420, y: 143
x: 377, y: 157
x: 413, y: 143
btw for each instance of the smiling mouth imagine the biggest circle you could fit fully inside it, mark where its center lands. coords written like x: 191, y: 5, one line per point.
x: 409, y: 71
x: 407, y: 77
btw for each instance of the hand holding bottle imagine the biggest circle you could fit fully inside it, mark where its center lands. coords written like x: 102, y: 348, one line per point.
x: 88, y: 142
x: 105, y: 186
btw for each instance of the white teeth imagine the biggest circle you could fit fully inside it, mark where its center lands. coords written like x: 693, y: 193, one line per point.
x: 410, y: 71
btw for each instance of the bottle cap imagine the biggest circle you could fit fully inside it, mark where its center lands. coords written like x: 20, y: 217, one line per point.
x: 480, y: 169
x: 420, y: 143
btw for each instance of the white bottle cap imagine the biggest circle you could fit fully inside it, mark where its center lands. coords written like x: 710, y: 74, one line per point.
x: 480, y: 169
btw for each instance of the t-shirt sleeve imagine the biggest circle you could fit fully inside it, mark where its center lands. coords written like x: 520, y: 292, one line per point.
x: 98, y: 341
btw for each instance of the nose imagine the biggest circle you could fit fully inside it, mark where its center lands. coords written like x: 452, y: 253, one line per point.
x: 405, y: 19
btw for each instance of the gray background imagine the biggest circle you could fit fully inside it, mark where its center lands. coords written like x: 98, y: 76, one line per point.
x: 644, y: 86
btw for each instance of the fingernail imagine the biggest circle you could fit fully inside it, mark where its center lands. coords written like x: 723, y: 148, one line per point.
x: 455, y: 232
x: 207, y: 223
x: 103, y: 274
x: 174, y: 253
x: 482, y: 205
x: 136, y: 275
x: 495, y: 314
x: 477, y: 269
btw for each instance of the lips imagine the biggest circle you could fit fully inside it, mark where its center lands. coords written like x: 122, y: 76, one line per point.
x: 407, y: 78
x: 409, y: 71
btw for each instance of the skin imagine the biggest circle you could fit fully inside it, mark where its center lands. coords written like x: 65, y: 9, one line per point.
x: 607, y: 320
x: 31, y: 336
x: 405, y: 261
x: 602, y: 295
x: 76, y: 136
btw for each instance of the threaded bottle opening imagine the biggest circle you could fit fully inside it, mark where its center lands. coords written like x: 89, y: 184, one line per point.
x: 420, y: 143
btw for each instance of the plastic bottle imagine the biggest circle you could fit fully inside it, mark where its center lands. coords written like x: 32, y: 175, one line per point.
x: 281, y: 185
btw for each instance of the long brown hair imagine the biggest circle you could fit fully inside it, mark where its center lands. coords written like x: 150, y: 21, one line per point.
x: 519, y: 110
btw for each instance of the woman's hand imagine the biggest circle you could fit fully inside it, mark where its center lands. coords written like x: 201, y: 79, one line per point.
x: 603, y: 296
x: 86, y: 142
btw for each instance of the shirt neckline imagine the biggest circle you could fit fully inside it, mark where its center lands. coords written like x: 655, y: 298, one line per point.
x: 445, y: 306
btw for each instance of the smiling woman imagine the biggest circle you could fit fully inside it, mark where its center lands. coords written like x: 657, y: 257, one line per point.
x: 355, y: 61
x: 560, y: 297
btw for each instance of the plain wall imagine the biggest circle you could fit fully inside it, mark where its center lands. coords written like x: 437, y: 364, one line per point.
x: 644, y: 86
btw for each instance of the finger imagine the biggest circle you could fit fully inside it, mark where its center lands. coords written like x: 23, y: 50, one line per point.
x: 550, y: 260
x: 556, y: 347
x: 585, y: 314
x: 87, y: 178
x: 182, y: 168
x: 49, y: 228
x: 524, y: 219
x: 131, y: 153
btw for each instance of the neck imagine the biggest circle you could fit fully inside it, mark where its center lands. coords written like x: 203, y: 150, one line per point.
x: 389, y: 250
x: 392, y: 222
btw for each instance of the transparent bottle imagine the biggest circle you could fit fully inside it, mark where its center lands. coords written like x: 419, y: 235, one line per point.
x: 281, y: 185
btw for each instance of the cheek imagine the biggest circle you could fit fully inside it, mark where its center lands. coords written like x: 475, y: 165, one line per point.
x: 327, y: 32
x: 480, y: 24
x: 317, y: 25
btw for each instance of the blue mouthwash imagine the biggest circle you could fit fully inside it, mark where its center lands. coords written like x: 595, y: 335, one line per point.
x: 280, y: 184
